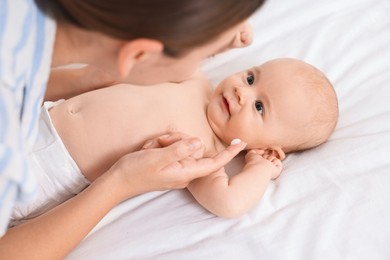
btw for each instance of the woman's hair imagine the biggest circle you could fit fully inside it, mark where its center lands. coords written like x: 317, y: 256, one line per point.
x: 180, y: 25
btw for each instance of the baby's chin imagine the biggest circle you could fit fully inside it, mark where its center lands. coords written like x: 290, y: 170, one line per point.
x: 227, y: 141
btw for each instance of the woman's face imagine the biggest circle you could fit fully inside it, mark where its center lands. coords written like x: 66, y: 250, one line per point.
x: 167, y: 69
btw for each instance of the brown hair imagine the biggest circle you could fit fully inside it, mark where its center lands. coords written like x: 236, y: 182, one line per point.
x: 180, y: 25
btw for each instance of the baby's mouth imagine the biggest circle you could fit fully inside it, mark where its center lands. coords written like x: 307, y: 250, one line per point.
x: 225, y: 104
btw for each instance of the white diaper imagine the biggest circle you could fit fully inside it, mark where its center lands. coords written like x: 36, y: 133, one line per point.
x: 58, y: 175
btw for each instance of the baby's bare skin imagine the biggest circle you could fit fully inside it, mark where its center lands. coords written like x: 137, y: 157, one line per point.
x: 95, y: 149
x: 258, y: 105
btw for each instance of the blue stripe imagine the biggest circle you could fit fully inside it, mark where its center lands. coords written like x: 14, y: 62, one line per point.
x: 18, y: 82
x: 4, y: 160
x: 3, y: 119
x: 4, y: 194
x: 3, y: 22
x: 37, y: 60
x: 21, y: 111
x: 26, y: 31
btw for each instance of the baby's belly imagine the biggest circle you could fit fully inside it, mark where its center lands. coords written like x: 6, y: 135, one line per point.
x: 98, y: 134
x: 86, y: 133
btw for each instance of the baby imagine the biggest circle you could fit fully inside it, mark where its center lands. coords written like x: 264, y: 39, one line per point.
x: 281, y: 106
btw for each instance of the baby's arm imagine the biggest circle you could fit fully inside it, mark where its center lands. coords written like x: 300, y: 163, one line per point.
x: 231, y: 197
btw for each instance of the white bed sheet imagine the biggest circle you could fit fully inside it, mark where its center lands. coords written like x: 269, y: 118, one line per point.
x: 329, y: 203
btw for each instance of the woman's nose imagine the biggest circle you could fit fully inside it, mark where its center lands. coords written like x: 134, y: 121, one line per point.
x: 244, y: 36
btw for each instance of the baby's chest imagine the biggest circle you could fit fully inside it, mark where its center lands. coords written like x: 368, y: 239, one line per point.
x: 191, y: 120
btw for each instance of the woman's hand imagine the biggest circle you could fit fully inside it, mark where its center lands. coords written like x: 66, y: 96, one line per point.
x: 167, y: 162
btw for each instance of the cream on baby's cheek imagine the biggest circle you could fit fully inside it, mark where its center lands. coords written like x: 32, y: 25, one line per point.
x: 235, y: 141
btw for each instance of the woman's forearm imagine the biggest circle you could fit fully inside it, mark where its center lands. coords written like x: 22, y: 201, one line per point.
x: 54, y: 234
x: 65, y: 83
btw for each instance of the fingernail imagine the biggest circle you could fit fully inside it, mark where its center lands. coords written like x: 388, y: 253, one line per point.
x: 195, y: 144
x: 147, y: 145
x: 235, y: 141
x: 165, y: 136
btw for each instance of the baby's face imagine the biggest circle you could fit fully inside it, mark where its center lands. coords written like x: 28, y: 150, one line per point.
x: 264, y: 106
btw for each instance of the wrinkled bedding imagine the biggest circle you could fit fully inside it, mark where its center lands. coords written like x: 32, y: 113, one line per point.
x: 331, y: 202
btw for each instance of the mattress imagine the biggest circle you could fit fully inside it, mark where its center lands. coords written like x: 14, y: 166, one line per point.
x: 331, y: 202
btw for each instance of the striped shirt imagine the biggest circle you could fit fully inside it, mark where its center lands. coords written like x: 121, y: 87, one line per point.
x: 26, y: 45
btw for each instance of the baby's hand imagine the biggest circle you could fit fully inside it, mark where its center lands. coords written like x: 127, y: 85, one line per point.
x: 265, y: 158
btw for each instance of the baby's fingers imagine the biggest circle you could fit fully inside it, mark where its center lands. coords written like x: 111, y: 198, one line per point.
x: 276, y: 162
x: 252, y: 155
x: 257, y: 151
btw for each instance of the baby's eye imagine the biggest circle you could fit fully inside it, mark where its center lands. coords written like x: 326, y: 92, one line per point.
x: 259, y: 106
x: 250, y: 79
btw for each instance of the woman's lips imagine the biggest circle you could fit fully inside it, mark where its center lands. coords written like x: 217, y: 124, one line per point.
x: 225, y: 105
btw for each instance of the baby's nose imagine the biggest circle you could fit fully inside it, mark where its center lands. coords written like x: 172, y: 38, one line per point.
x: 240, y: 93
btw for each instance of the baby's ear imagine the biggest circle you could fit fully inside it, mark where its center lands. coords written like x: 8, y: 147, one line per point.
x: 277, y: 152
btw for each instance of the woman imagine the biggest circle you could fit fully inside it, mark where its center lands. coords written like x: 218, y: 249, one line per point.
x: 141, y: 41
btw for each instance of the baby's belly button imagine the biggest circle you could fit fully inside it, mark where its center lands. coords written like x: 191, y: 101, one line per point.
x: 72, y: 110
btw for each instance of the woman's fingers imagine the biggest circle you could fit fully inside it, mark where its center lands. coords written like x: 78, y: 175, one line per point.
x: 165, y: 140
x: 181, y: 156
x: 169, y: 139
x: 170, y: 167
x: 195, y: 168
